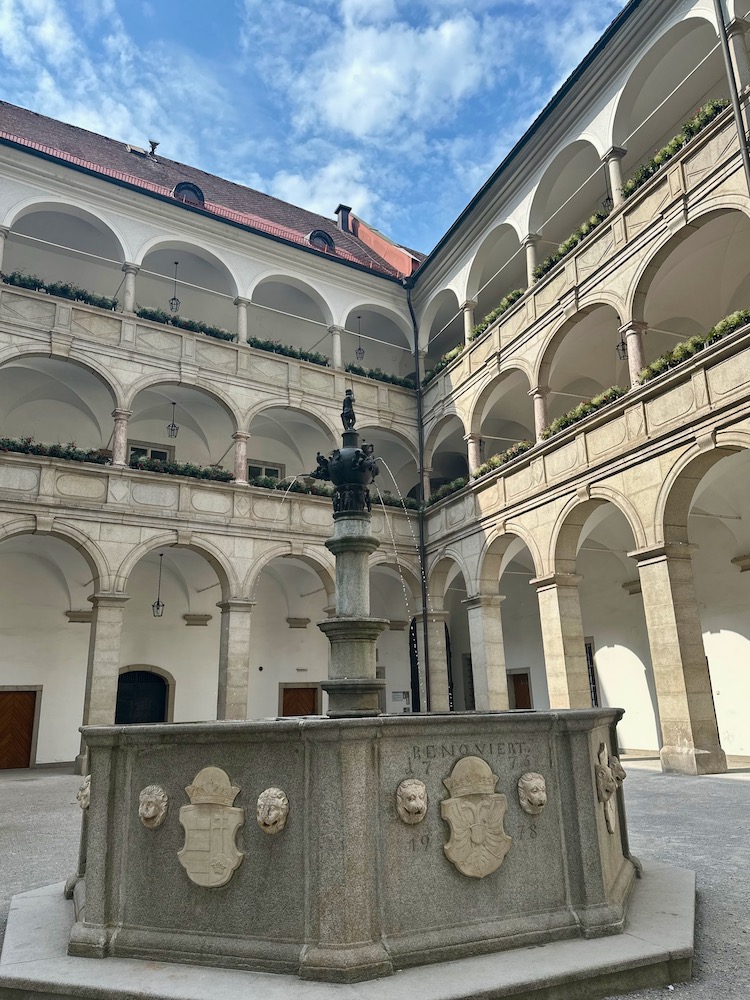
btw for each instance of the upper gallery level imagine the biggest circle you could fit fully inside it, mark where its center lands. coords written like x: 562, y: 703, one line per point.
x: 657, y: 256
x: 612, y: 126
x: 87, y: 218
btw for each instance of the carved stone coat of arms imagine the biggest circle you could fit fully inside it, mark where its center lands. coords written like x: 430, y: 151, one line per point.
x: 475, y: 812
x: 210, y: 855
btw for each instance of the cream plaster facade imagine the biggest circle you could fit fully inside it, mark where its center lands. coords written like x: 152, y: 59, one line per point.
x: 607, y: 562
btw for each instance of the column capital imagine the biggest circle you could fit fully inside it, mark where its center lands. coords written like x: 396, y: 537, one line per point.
x: 483, y: 601
x: 241, y: 301
x: 121, y: 414
x: 539, y: 392
x: 468, y: 304
x: 472, y: 437
x: 4, y: 231
x: 633, y: 326
x: 336, y: 328
x: 101, y: 599
x: 662, y: 552
x: 130, y: 268
x: 530, y: 240
x: 236, y: 604
x: 737, y: 26
x: 241, y: 436
x: 614, y: 153
x: 556, y: 580
x: 432, y: 616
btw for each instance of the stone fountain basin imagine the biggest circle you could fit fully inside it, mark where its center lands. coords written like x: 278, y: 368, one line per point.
x: 348, y: 891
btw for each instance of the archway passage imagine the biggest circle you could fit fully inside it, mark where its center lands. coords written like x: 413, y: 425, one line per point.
x: 141, y: 698
x: 283, y: 442
x: 571, y: 189
x: 291, y: 312
x: 384, y: 337
x: 442, y: 329
x: 445, y: 452
x: 504, y: 414
x: 499, y: 267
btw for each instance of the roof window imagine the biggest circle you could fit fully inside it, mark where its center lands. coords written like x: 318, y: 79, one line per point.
x: 189, y: 194
x: 320, y: 239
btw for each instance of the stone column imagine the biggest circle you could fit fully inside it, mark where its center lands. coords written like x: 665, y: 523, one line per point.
x: 474, y: 450
x: 234, y: 658
x: 530, y: 243
x: 467, y: 308
x: 562, y: 638
x: 240, y: 457
x: 612, y: 159
x: 633, y: 333
x: 335, y: 332
x: 438, y: 659
x: 242, y: 305
x: 422, y: 365
x: 352, y: 686
x: 128, y: 292
x: 539, y: 396
x: 120, y: 437
x: 426, y: 487
x: 4, y: 234
x: 690, y: 735
x: 103, y: 666
x: 487, y: 652
x: 736, y: 30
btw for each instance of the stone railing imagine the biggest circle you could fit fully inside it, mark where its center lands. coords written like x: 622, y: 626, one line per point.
x: 63, y: 322
x: 676, y: 408
x: 659, y: 202
x: 52, y: 487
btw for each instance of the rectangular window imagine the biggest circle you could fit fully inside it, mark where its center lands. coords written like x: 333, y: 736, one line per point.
x: 142, y: 449
x: 257, y: 469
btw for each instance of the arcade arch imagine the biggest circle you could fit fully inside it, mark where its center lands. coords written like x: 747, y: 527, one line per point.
x: 503, y: 414
x: 498, y: 267
x: 284, y: 440
x: 202, y: 283
x: 384, y: 336
x: 63, y: 243
x: 288, y: 310
x: 445, y: 452
x: 441, y: 328
x: 667, y: 297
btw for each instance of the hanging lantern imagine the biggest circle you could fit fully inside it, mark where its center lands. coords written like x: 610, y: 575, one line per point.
x: 158, y: 606
x: 360, y: 352
x: 173, y: 428
x: 174, y: 302
x: 622, y: 348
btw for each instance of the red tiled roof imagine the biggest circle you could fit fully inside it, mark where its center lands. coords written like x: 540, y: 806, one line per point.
x: 225, y: 199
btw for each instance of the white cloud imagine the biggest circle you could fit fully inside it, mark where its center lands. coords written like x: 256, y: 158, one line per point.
x: 378, y: 80
x: 341, y: 179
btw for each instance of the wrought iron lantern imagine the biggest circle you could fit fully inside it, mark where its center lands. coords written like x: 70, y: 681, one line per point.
x: 158, y: 606
x: 173, y: 428
x: 360, y: 352
x: 622, y: 348
x: 174, y: 302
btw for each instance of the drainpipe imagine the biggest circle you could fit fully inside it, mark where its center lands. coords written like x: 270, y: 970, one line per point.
x: 734, y: 96
x: 408, y: 283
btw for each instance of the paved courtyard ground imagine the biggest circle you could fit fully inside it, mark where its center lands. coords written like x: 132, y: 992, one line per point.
x: 699, y: 823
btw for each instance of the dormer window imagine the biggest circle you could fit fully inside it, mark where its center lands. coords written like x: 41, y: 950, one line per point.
x: 320, y: 239
x: 189, y: 194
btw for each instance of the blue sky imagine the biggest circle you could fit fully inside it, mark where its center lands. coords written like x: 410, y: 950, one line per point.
x: 400, y: 108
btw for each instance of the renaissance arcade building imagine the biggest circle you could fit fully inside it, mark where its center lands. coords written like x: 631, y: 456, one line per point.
x: 558, y: 395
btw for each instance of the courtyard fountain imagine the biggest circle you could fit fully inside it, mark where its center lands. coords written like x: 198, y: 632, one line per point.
x: 342, y: 849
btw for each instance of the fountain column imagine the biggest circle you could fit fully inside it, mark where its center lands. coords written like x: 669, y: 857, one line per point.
x: 352, y: 686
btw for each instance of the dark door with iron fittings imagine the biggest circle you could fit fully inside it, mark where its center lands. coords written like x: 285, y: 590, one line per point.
x: 299, y: 701
x: 521, y: 690
x: 141, y: 697
x: 16, y: 727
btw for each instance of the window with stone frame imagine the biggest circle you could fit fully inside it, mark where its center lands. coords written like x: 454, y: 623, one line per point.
x: 144, y: 449
x: 257, y: 469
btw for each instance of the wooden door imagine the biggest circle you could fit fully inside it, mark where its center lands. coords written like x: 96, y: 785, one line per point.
x: 17, y: 709
x: 299, y: 701
x: 521, y: 690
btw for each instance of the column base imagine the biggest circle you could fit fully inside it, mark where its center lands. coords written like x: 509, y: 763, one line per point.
x: 353, y: 698
x: 81, y: 763
x: 689, y: 760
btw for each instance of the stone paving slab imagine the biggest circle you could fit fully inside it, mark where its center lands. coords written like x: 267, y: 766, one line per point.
x: 655, y: 950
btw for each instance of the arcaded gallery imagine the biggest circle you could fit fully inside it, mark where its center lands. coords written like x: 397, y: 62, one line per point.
x: 558, y: 396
